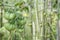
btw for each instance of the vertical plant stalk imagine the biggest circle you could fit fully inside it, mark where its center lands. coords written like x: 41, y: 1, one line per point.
x: 40, y: 17
x: 44, y: 20
x: 49, y: 18
x: 37, y: 21
x: 33, y: 25
x: 10, y: 37
x: 1, y: 18
x: 58, y: 21
x: 1, y: 12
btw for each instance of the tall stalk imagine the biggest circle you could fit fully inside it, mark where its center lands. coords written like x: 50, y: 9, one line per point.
x: 58, y: 21
x: 1, y: 12
x: 37, y: 21
x: 33, y: 25
x: 1, y: 24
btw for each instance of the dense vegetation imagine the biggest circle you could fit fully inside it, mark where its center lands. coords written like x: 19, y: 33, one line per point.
x: 28, y: 20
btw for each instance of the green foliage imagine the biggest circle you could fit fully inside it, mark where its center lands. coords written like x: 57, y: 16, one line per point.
x: 9, y: 26
x: 9, y: 16
x: 54, y: 3
x: 19, y: 21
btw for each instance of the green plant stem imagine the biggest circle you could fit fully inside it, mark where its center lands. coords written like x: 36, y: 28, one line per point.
x: 10, y: 38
